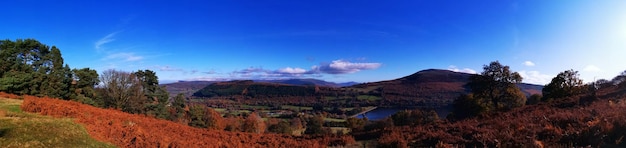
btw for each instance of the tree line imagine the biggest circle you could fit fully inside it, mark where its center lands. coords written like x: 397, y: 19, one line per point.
x: 29, y: 67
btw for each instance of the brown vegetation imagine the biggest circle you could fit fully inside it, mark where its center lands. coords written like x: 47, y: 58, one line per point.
x: 568, y: 122
x: 127, y: 130
x: 7, y: 95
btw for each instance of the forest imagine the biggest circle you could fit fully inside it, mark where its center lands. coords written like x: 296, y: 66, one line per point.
x: 131, y: 109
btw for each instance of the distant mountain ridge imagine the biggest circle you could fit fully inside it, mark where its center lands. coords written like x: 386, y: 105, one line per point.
x: 190, y: 87
x: 308, y: 82
x: 431, y: 88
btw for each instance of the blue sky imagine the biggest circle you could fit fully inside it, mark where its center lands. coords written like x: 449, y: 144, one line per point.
x: 358, y: 40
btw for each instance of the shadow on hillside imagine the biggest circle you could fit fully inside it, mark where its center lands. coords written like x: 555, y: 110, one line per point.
x: 3, y: 131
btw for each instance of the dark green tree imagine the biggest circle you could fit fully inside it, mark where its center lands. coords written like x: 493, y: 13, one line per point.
x: 281, y: 127
x: 157, y: 96
x: 57, y: 78
x: 414, y: 117
x: 565, y: 84
x: 315, y: 125
x: 84, y: 81
x: 30, y: 67
x: 534, y: 99
x: 196, y: 114
x: 493, y: 90
x: 178, y: 106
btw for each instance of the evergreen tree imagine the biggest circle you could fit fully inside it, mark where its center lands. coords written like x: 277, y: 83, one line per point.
x: 157, y: 96
x: 83, y: 83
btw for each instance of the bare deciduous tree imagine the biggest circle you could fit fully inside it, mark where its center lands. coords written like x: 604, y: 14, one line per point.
x: 122, y: 90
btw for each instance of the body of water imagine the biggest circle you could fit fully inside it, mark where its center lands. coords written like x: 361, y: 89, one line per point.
x: 382, y: 113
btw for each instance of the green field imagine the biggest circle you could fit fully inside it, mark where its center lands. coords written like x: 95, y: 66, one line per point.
x: 368, y: 97
x: 334, y: 120
x: 21, y: 129
x: 302, y: 108
x: 342, y: 130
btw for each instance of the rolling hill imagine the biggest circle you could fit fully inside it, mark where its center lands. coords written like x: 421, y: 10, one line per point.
x: 430, y: 88
x: 188, y: 88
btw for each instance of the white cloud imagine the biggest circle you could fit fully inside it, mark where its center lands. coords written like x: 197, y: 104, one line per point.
x: 334, y: 68
x: 464, y: 70
x: 290, y: 70
x: 106, y: 39
x: 125, y: 56
x: 345, y: 67
x: 592, y: 68
x: 528, y: 63
x: 535, y: 77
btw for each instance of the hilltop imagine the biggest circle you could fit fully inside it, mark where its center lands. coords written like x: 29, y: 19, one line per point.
x: 430, y: 86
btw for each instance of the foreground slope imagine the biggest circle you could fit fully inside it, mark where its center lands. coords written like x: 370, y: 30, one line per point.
x: 127, y: 130
x: 21, y: 129
x: 578, y: 121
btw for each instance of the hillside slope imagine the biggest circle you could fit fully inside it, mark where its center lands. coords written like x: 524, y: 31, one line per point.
x: 579, y: 121
x: 128, y: 130
x: 21, y: 129
x: 186, y: 87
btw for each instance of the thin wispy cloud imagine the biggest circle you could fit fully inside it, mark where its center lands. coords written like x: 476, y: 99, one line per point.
x: 528, y: 63
x: 124, y: 56
x: 106, y: 39
x: 210, y: 72
x: 165, y: 68
x: 463, y: 70
x: 592, y: 68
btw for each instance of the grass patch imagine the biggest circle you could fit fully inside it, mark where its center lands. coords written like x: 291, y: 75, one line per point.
x: 368, y: 97
x: 254, y: 107
x: 221, y: 110
x: 21, y: 129
x: 342, y: 130
x: 334, y: 120
x: 291, y: 107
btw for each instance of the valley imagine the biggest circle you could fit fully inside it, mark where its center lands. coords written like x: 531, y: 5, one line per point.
x: 430, y: 89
